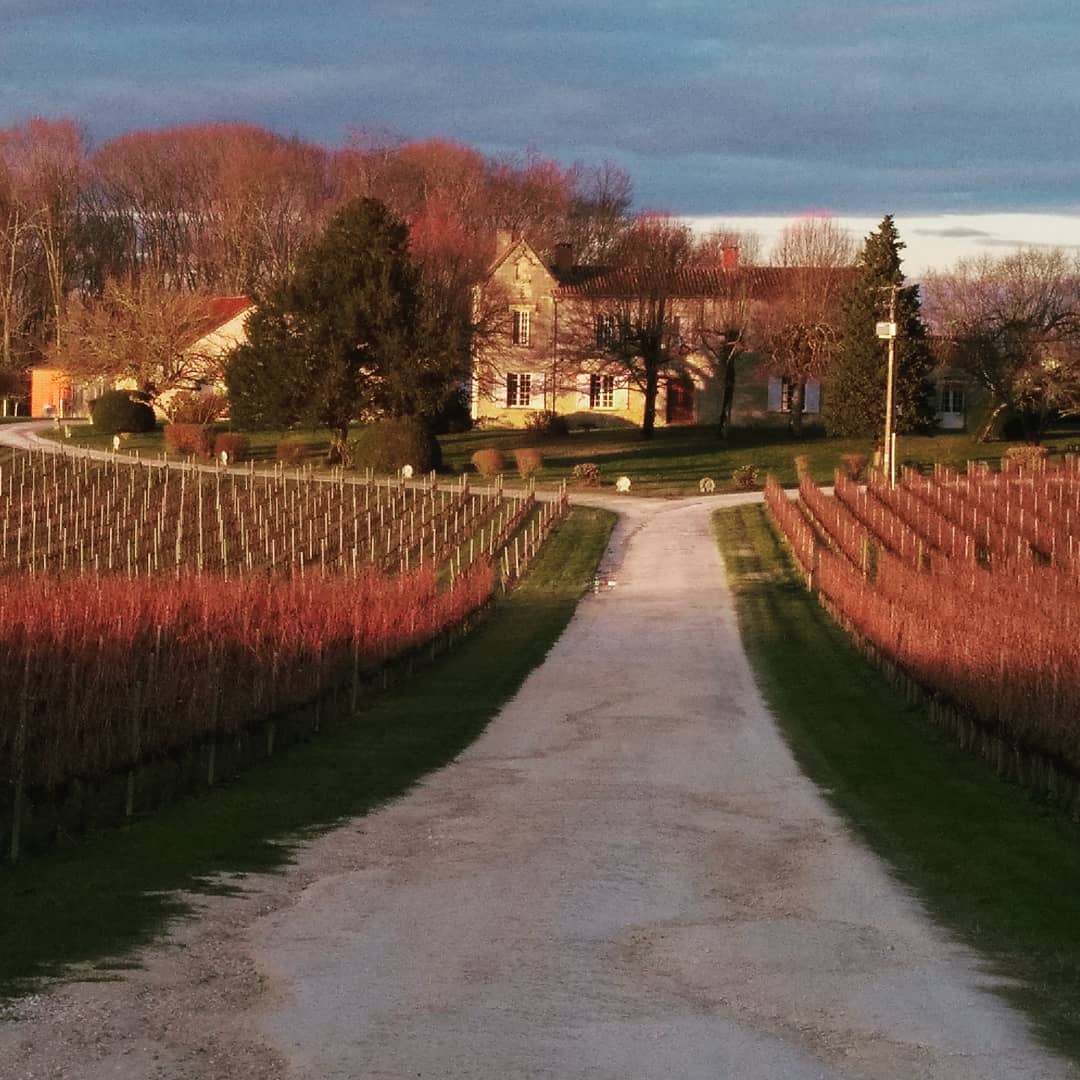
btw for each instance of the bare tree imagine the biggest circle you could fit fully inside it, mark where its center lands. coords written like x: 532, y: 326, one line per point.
x: 140, y: 331
x: 741, y: 246
x: 41, y: 165
x: 628, y: 319
x: 1012, y: 324
x: 797, y: 334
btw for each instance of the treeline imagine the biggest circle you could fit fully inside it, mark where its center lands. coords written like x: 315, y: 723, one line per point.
x: 225, y: 208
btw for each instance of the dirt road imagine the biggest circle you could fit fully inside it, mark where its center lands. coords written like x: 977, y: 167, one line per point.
x: 625, y: 877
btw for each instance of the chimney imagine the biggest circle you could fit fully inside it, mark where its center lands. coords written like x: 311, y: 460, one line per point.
x: 564, y: 259
x: 729, y: 256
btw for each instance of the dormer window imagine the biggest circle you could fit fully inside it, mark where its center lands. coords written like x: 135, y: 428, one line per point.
x: 520, y: 332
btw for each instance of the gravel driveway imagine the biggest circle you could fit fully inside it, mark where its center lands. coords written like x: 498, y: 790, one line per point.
x: 625, y: 876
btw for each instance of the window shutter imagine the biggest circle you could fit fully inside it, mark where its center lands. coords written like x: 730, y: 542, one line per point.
x: 498, y: 388
x: 583, y: 390
x: 775, y: 390
x: 622, y: 392
x: 812, y: 397
x: 536, y: 392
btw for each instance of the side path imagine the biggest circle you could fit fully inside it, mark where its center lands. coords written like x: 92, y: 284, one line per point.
x: 626, y: 876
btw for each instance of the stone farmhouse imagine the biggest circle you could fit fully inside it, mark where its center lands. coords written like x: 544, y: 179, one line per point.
x: 55, y: 393
x: 551, y: 322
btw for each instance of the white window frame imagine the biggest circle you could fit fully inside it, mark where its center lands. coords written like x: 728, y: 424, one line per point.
x: 521, y: 330
x: 601, y: 391
x: 953, y: 400
x: 519, y: 389
x: 607, y: 330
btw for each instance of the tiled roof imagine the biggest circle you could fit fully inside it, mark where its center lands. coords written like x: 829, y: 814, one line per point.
x: 223, y: 309
x: 759, y: 282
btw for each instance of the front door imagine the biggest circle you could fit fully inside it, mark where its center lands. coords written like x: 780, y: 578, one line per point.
x: 680, y: 401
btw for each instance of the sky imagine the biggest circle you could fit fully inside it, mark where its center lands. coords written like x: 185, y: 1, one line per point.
x: 961, y: 117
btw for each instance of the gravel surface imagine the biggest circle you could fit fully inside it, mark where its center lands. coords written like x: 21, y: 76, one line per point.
x: 625, y: 876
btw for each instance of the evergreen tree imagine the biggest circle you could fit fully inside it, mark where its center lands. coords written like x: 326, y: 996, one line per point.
x: 855, y: 398
x: 345, y: 336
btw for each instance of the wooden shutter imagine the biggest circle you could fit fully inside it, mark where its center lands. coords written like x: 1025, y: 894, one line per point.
x: 536, y: 391
x: 622, y: 392
x: 775, y: 394
x: 812, y: 397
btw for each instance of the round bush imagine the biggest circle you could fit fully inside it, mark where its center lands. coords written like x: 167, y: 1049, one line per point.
x: 385, y: 445
x: 120, y: 411
x: 489, y: 462
x: 529, y: 461
x: 236, y: 445
x: 196, y: 439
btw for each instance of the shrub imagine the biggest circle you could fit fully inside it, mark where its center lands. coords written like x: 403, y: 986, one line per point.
x: 547, y: 423
x: 745, y: 477
x: 1024, y: 457
x: 587, y: 474
x: 191, y: 408
x: 234, y: 444
x: 292, y: 450
x: 119, y: 411
x: 385, y: 445
x: 195, y: 439
x: 489, y: 462
x: 528, y: 461
x: 854, y: 465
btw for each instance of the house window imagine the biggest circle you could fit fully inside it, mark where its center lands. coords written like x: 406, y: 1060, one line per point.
x: 607, y: 330
x: 952, y: 399
x: 782, y: 394
x: 601, y: 391
x: 518, y: 390
x: 521, y: 328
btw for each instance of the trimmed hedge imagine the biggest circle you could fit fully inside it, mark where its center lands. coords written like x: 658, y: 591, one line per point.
x: 489, y: 462
x: 119, y: 411
x: 194, y: 439
x: 386, y: 445
x: 529, y: 461
x: 234, y: 444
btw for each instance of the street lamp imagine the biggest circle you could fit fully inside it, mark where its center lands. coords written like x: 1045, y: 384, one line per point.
x: 887, y: 332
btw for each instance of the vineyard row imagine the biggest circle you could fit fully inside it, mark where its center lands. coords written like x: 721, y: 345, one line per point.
x: 995, y: 637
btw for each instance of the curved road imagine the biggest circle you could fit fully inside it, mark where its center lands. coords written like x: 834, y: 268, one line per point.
x: 626, y: 876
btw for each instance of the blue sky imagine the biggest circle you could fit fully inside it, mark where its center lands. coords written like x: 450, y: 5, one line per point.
x: 749, y: 107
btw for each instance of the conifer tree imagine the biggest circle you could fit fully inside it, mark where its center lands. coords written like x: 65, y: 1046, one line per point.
x: 345, y: 336
x: 855, y: 397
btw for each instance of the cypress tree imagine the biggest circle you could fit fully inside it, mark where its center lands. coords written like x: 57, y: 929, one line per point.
x: 855, y: 399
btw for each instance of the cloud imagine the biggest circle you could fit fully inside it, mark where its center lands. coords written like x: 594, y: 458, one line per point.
x: 953, y: 231
x: 933, y: 105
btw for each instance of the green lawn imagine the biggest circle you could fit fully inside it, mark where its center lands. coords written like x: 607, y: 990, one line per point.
x: 97, y: 900
x: 998, y: 868
x: 672, y: 463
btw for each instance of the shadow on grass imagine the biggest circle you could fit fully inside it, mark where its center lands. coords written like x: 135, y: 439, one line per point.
x: 99, y: 900
x: 991, y: 863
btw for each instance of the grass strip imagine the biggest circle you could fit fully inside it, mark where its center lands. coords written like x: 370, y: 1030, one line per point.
x: 97, y: 901
x: 992, y: 864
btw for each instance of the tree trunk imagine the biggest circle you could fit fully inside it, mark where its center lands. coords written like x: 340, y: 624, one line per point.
x: 725, y: 377
x: 798, y: 396
x: 652, y: 389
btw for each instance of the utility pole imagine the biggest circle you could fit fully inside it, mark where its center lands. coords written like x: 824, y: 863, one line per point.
x: 887, y: 330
